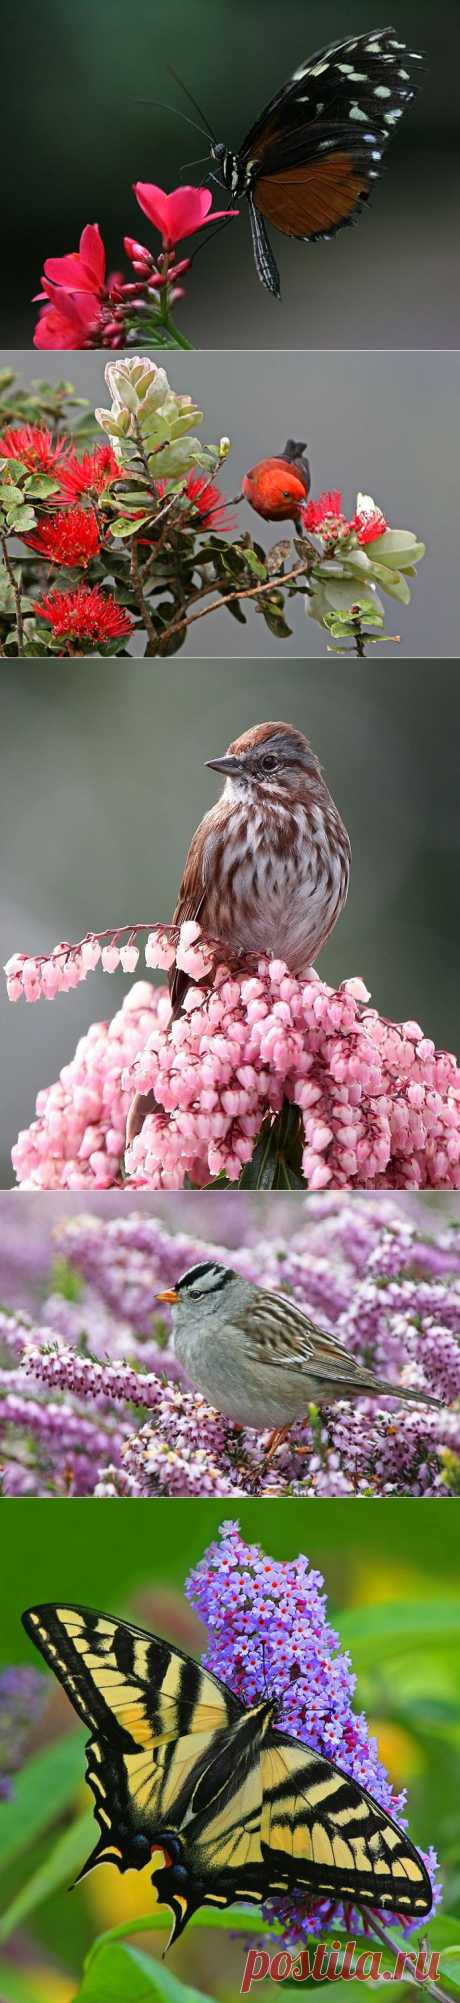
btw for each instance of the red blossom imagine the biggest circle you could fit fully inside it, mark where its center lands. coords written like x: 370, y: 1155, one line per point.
x: 74, y: 320
x: 69, y: 537
x: 179, y: 214
x: 368, y: 525
x: 208, y: 502
x: 82, y: 270
x: 328, y: 508
x: 91, y: 474
x: 34, y: 446
x: 91, y: 617
x: 324, y: 517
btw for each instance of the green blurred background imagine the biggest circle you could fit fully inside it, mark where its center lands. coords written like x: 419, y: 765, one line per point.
x: 392, y: 1579
x: 386, y: 424
x: 79, y: 126
x: 102, y: 783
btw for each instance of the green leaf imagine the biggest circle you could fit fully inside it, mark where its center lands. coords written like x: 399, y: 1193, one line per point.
x: 59, y: 1869
x: 42, y: 1791
x: 276, y: 1162
x: 123, y: 527
x: 235, y: 609
x: 274, y: 619
x: 39, y: 485
x: 125, y: 1975
x: 393, y: 582
x: 253, y: 563
x: 400, y: 1627
x: 21, y: 519
x: 10, y: 495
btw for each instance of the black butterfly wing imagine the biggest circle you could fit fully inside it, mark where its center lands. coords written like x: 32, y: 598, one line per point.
x: 152, y: 1713
x: 323, y: 1832
x: 311, y: 158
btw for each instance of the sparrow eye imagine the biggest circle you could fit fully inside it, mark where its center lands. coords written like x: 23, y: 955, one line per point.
x: 268, y: 762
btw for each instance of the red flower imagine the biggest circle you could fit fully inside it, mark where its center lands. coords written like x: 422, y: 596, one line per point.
x: 89, y: 617
x: 73, y: 321
x: 324, y: 517
x: 328, y: 508
x: 33, y: 445
x: 80, y: 313
x: 69, y: 537
x: 89, y: 475
x: 368, y: 522
x: 82, y: 270
x: 207, y: 500
x: 179, y: 214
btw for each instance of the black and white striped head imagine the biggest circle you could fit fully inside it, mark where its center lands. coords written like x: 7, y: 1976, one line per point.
x: 206, y: 1290
x: 204, y: 1282
x: 233, y: 175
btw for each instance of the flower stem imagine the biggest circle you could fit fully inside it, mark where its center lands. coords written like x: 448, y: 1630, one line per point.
x: 16, y: 590
x: 144, y: 608
x: 228, y: 598
x: 421, y: 1982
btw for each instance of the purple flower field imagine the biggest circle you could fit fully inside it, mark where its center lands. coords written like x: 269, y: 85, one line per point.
x: 92, y: 1399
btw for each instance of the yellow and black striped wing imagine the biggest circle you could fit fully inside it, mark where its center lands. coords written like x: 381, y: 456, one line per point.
x: 322, y: 1831
x: 153, y: 1714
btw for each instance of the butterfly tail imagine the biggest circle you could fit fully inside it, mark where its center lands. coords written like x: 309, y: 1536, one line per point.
x: 266, y: 266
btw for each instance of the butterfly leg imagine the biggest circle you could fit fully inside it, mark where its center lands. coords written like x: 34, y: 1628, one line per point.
x: 266, y: 266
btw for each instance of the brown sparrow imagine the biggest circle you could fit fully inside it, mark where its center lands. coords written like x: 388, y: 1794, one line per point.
x: 268, y: 868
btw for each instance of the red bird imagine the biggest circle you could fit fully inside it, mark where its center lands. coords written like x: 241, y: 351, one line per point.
x: 278, y: 488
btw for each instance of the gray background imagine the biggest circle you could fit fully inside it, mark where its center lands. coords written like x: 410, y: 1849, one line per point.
x: 102, y: 784
x: 388, y: 424
x: 79, y: 123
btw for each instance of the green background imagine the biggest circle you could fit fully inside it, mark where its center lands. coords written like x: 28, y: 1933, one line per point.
x: 89, y: 1551
x: 392, y: 1580
x: 79, y: 126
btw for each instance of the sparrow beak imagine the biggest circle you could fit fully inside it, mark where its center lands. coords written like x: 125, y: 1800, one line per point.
x: 169, y: 1295
x: 232, y: 766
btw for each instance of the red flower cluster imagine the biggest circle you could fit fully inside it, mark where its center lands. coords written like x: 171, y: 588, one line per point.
x: 69, y: 537
x: 90, y: 618
x: 85, y: 307
x: 35, y: 448
x: 91, y: 474
x: 207, y: 501
x: 324, y: 517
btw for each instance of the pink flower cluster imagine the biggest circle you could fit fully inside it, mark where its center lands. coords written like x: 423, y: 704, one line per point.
x: 77, y: 1139
x: 380, y: 1106
x: 32, y: 977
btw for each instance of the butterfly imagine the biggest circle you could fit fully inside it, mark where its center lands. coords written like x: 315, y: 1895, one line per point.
x: 224, y: 1805
x: 309, y: 162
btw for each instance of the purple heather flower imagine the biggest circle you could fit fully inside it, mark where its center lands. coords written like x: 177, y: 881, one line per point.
x: 89, y: 1382
x: 22, y: 1696
x: 268, y: 1632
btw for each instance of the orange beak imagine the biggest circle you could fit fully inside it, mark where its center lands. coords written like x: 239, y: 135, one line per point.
x: 169, y: 1295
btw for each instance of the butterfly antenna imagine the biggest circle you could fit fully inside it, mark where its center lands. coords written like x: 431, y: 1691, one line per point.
x: 192, y: 100
x: 160, y: 104
x: 207, y: 239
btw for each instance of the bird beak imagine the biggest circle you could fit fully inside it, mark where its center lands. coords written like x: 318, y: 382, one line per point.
x: 232, y: 766
x: 169, y: 1295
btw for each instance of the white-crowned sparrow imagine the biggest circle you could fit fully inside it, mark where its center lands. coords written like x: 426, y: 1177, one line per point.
x: 256, y: 1355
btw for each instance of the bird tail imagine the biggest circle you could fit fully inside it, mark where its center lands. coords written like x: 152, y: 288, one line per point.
x: 294, y: 448
x: 410, y: 1397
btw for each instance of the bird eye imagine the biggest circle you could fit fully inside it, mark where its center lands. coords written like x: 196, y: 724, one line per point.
x: 268, y: 762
